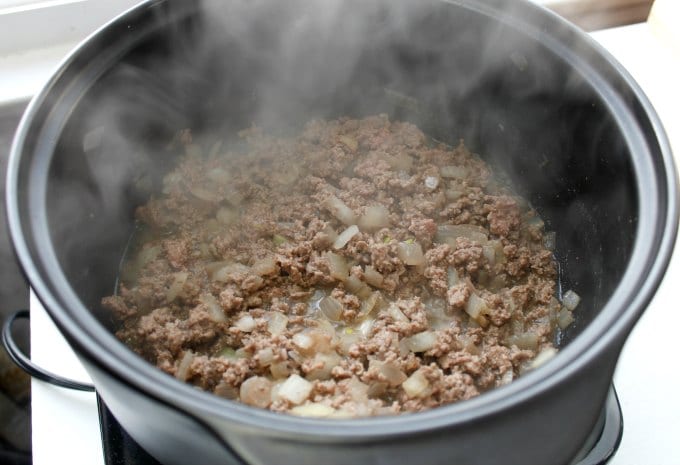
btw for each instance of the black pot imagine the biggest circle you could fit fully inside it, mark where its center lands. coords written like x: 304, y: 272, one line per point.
x: 536, y: 97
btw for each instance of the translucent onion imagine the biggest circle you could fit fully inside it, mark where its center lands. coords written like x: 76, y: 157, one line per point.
x: 564, y: 318
x: 226, y: 272
x: 447, y: 233
x: 326, y: 362
x: 214, y: 309
x: 453, y: 194
x: 543, y: 356
x: 375, y: 217
x: 369, y: 304
x: 331, y: 308
x: 256, y: 391
x: 350, y: 142
x: 347, y: 339
x: 246, y: 324
x: 358, y: 287
x: 527, y: 341
x: 345, y: 236
x: 182, y: 372
x: 340, y: 210
x: 366, y: 327
x: 276, y: 323
x: 396, y: 314
x: 452, y: 276
x: 571, y: 299
x: 476, y: 306
x: 337, y: 266
x: 416, y: 385
x: 431, y: 182
x: 390, y: 370
x: 226, y: 390
x: 204, y: 194
x: 280, y: 370
x: 410, y: 253
x: 265, y: 357
x: 312, y: 410
x: 295, y: 389
x: 227, y: 215
x: 373, y: 277
x: 266, y: 266
x: 421, y: 342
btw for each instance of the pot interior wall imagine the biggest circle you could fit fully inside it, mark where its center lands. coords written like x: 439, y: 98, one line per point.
x: 454, y: 71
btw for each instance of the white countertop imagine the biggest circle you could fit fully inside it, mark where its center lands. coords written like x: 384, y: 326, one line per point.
x: 65, y: 423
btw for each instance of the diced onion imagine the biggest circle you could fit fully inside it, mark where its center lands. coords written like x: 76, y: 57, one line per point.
x: 454, y: 171
x: 303, y: 341
x: 266, y: 266
x: 226, y: 272
x: 340, y: 210
x: 325, y: 363
x: 358, y: 287
x: 280, y: 370
x: 276, y: 323
x: 571, y: 299
x: 453, y: 194
x: 374, y: 218
x: 265, y: 357
x: 410, y: 253
x: 396, y: 314
x: 338, y: 266
x: 543, y: 356
x: 347, y: 340
x: 184, y: 365
x: 564, y: 318
x: 416, y: 385
x: 421, y: 342
x: 219, y: 175
x: 525, y: 341
x: 246, y: 324
x: 349, y: 142
x: 312, y: 410
x: 447, y: 233
x: 507, y: 377
x: 345, y: 236
x: 366, y: 326
x: 331, y: 308
x: 214, y: 309
x: 452, y: 275
x: 431, y: 182
x: 227, y: 215
x: 295, y: 389
x: 476, y: 306
x: 205, y: 194
x: 392, y: 373
x: 373, y: 277
x: 256, y: 391
x: 226, y: 390
x: 370, y: 304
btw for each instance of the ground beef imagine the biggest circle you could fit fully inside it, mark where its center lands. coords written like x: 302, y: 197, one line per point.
x: 356, y: 269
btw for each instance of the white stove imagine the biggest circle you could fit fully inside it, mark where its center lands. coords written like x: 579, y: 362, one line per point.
x: 66, y: 423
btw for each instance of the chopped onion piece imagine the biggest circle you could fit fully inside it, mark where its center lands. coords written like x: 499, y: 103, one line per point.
x: 347, y: 339
x: 564, y: 318
x: 453, y: 194
x: 256, y: 391
x: 410, y: 253
x: 280, y: 370
x: 396, y: 314
x: 295, y: 389
x: 370, y: 304
x: 226, y: 390
x: 454, y: 171
x: 331, y: 308
x: 340, y: 210
x: 571, y: 299
x: 177, y: 285
x: 476, y: 306
x: 447, y: 233
x: 265, y: 357
x: 358, y: 287
x: 525, y: 341
x: 416, y: 385
x: 323, y: 365
x: 357, y: 390
x: 266, y: 266
x: 390, y: 370
x: 374, y: 218
x: 226, y: 272
x: 489, y: 253
x: 147, y: 255
x: 421, y: 342
x: 452, y: 275
x: 184, y: 365
x: 303, y: 341
x: 246, y: 324
x: 219, y: 175
x: 345, y: 236
x: 214, y: 309
x: 507, y: 377
x: 337, y: 266
x: 431, y: 182
x: 312, y: 410
x: 543, y: 356
x: 373, y: 277
x: 205, y: 194
x: 276, y: 323
x: 366, y: 326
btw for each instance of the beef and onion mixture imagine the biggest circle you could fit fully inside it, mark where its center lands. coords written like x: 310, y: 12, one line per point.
x: 356, y: 269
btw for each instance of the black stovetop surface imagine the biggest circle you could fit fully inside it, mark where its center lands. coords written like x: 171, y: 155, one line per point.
x: 121, y: 449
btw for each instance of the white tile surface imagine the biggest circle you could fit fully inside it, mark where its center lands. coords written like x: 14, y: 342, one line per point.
x: 65, y: 426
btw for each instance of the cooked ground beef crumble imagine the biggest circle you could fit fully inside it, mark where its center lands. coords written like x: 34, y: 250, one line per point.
x: 356, y: 269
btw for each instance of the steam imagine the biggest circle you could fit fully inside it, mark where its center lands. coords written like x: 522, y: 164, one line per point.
x: 448, y: 67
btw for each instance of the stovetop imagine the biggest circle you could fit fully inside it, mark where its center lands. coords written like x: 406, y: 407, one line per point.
x: 120, y: 449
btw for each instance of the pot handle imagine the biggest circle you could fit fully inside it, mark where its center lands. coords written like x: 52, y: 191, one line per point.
x: 27, y: 365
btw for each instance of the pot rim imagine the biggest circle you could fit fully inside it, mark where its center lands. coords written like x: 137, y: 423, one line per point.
x: 656, y: 183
